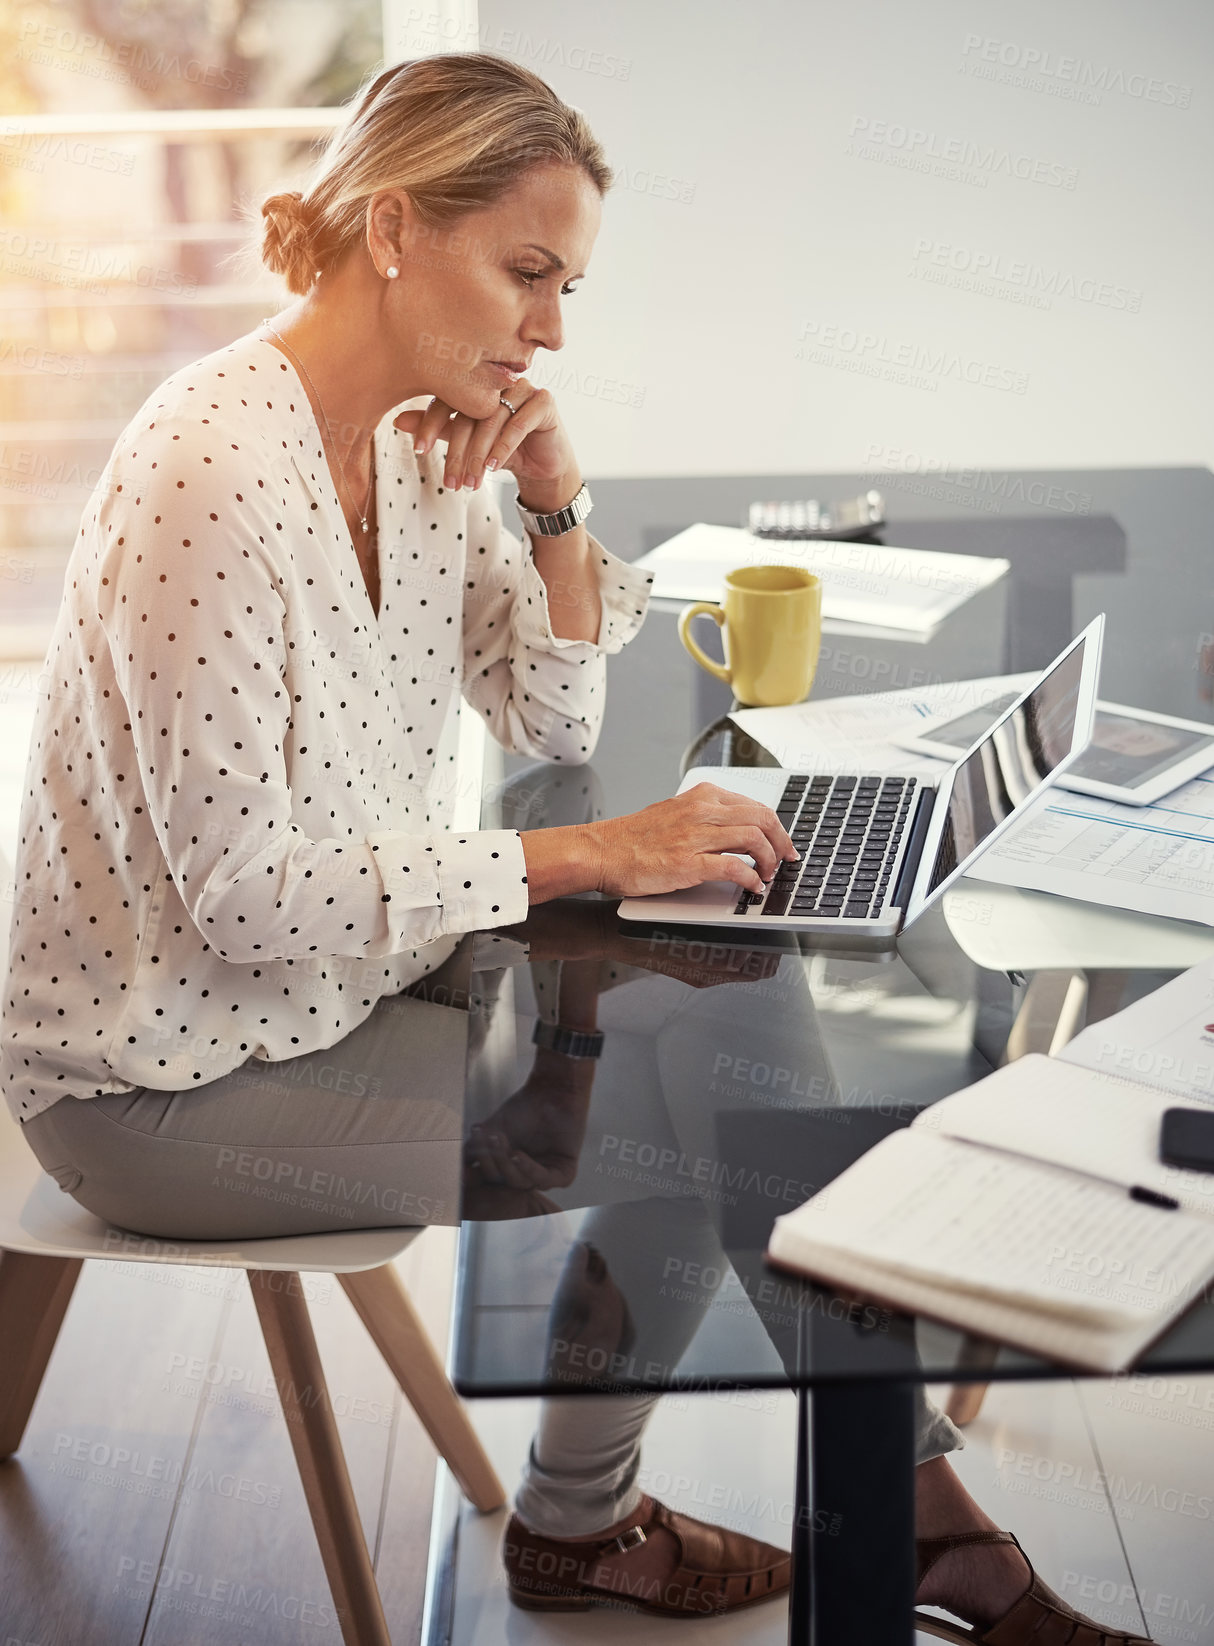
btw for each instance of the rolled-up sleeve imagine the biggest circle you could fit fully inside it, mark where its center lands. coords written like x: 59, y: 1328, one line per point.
x: 540, y: 694
x: 452, y: 883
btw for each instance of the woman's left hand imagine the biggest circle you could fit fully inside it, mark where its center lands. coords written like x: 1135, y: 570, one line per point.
x: 531, y: 442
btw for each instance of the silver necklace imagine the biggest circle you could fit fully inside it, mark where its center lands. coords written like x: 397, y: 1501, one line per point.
x: 365, y: 511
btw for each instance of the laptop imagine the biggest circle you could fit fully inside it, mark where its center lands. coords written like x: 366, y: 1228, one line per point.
x: 877, y: 850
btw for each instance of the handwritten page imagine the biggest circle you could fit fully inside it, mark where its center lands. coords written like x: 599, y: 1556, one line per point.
x: 1102, y: 1125
x: 971, y: 1220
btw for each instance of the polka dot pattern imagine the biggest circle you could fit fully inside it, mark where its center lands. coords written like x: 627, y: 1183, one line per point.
x: 235, y: 831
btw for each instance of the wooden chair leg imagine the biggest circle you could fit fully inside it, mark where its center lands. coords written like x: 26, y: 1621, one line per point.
x: 385, y: 1308
x: 295, y: 1362
x: 34, y: 1295
x: 964, y: 1402
x: 1050, y: 1014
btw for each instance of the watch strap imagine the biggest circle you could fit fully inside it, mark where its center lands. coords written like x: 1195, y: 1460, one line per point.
x: 554, y: 1037
x: 559, y: 521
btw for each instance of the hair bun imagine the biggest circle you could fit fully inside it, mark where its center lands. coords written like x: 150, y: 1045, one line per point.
x: 286, y: 246
x: 454, y: 132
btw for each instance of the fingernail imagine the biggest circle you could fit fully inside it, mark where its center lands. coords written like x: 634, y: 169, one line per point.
x: 491, y: 463
x: 419, y: 446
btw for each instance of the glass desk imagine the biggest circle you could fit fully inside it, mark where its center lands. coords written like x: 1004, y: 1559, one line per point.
x: 736, y: 1082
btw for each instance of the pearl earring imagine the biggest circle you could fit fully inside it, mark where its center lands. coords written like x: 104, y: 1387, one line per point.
x: 392, y: 271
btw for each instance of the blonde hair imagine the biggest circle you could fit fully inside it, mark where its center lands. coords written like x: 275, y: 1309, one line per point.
x: 455, y: 132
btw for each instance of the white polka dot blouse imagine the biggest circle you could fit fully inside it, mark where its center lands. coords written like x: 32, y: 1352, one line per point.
x: 234, y: 834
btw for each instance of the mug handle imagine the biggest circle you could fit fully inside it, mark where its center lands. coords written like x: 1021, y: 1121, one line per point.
x: 717, y: 613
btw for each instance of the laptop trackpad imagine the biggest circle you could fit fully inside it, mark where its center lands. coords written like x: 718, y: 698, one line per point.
x: 713, y: 894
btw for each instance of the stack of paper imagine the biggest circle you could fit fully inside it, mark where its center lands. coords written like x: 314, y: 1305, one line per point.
x: 867, y: 585
x: 1155, y: 859
x: 852, y: 734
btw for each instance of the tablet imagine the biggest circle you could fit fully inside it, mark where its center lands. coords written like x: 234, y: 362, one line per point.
x: 1134, y: 756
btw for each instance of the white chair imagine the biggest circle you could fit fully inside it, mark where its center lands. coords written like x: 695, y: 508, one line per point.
x: 45, y: 1238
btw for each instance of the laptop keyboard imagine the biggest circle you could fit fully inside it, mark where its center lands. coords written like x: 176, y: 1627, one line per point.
x: 848, y: 831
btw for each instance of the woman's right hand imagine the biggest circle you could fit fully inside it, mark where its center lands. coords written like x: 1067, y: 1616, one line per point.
x: 674, y: 844
x: 690, y: 839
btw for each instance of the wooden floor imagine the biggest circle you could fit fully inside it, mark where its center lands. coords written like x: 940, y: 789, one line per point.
x: 154, y: 1500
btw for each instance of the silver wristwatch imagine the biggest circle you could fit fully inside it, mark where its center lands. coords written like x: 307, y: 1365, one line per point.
x: 555, y: 1037
x: 561, y: 520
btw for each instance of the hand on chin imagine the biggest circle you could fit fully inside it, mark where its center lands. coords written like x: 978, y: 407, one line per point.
x: 458, y: 397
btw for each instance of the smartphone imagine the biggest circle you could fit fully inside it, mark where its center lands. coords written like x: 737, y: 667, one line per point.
x: 1187, y: 1139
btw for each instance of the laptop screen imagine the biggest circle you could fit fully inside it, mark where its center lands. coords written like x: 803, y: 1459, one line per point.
x: 1010, y: 764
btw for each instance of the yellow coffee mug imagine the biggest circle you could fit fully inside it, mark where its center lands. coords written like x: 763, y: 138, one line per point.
x: 772, y: 618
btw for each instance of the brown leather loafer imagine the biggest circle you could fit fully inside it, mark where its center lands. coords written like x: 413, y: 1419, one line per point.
x: 1039, y: 1616
x: 713, y: 1570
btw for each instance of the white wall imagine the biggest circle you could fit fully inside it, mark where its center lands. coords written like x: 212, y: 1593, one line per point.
x: 771, y: 267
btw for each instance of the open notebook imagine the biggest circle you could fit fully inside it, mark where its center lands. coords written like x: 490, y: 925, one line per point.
x: 1005, y: 1209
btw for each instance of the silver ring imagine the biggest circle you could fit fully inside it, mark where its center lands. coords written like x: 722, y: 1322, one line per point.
x: 502, y: 401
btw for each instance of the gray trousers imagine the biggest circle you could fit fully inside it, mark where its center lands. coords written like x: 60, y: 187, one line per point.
x: 582, y: 1471
x: 366, y: 1134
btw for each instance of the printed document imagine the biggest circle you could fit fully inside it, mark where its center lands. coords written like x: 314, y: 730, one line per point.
x: 1153, y: 859
x: 905, y: 590
x: 852, y: 734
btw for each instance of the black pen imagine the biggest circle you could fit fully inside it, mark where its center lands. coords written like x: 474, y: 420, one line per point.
x: 1151, y: 1197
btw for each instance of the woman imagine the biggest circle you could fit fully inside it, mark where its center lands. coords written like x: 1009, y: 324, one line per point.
x: 234, y: 860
